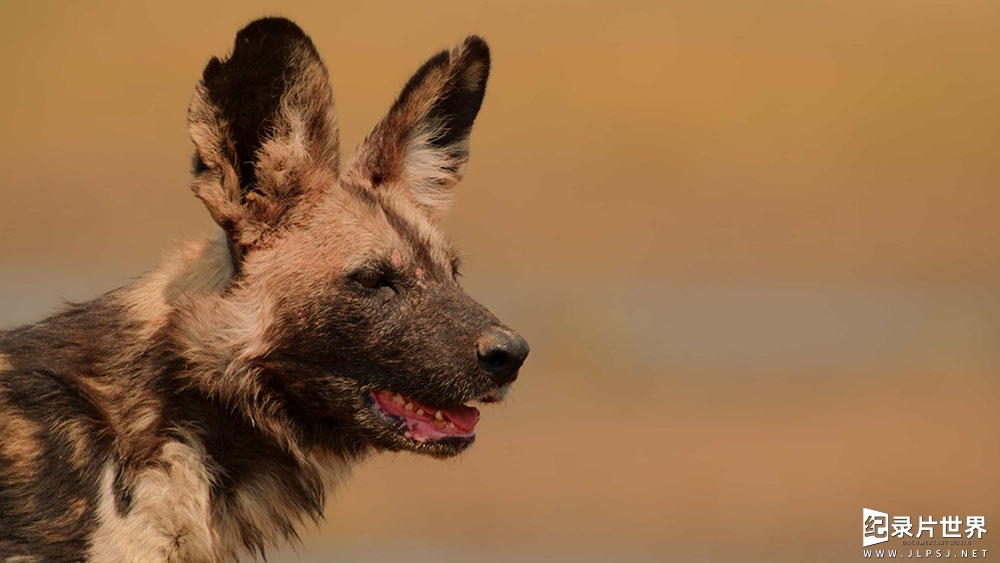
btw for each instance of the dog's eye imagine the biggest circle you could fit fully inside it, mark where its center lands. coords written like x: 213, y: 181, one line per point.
x: 371, y: 279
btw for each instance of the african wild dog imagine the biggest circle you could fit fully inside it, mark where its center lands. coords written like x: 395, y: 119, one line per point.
x: 204, y: 410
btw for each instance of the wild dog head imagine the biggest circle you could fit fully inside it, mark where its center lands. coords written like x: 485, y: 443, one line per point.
x: 344, y: 319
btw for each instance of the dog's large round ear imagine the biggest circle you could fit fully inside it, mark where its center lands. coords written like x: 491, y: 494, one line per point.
x: 421, y: 147
x: 264, y: 128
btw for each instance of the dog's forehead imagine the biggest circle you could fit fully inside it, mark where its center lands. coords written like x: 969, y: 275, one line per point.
x: 383, y: 224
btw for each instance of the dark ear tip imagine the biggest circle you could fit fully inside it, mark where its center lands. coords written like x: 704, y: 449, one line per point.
x: 474, y: 47
x: 213, y: 68
x: 269, y: 39
x: 273, y: 27
x: 262, y: 48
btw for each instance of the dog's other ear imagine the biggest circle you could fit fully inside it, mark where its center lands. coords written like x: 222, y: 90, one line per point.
x: 421, y: 146
x: 264, y: 129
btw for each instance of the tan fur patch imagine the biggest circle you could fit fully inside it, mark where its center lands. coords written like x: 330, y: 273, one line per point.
x: 19, y: 445
x: 196, y: 270
x: 429, y: 173
x: 170, y: 518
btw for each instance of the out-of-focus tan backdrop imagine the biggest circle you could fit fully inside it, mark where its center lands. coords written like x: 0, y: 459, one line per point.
x: 755, y: 248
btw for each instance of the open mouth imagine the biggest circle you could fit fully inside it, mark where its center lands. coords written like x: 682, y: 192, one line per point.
x: 422, y: 423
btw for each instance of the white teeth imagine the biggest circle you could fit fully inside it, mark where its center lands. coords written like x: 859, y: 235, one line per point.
x: 420, y: 412
x: 439, y: 424
x: 398, y: 399
x: 439, y: 415
x: 451, y: 426
x: 408, y: 406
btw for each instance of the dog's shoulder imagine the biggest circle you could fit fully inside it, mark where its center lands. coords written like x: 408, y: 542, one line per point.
x: 52, y: 439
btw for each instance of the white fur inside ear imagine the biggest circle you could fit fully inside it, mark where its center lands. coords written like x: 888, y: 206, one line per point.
x: 282, y: 152
x: 430, y: 173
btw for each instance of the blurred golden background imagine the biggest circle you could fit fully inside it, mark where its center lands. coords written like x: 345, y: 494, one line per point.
x: 755, y: 248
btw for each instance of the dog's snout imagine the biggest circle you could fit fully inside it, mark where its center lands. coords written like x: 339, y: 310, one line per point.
x: 501, y: 353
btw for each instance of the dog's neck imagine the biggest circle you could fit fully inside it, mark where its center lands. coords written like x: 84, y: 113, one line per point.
x: 214, y: 466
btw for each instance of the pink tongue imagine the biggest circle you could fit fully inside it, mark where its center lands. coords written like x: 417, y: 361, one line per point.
x: 464, y: 417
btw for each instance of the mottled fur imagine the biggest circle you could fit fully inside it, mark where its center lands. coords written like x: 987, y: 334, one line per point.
x: 206, y: 409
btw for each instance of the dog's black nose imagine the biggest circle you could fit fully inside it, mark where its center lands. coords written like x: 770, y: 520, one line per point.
x: 501, y: 353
